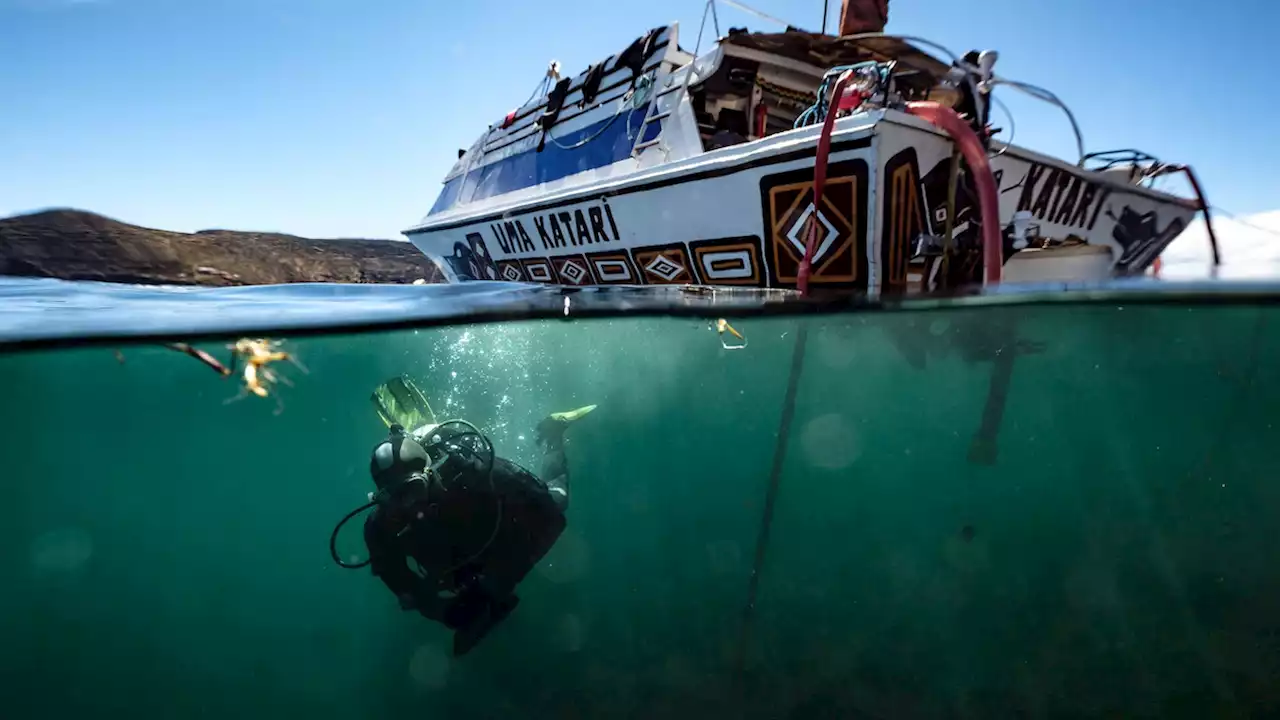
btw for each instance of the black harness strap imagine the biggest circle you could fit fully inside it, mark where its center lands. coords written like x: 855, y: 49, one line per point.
x: 637, y: 52
x: 591, y: 84
x: 555, y: 103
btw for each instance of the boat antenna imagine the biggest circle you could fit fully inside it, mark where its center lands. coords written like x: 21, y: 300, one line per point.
x: 757, y: 13
x: 826, y: 10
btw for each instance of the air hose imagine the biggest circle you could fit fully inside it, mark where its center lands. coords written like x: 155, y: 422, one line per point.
x: 333, y: 539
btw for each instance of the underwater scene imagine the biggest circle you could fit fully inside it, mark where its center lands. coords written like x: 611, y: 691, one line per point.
x: 1009, y: 511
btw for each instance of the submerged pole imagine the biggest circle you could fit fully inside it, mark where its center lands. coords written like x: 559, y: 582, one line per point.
x: 986, y: 443
x: 771, y: 492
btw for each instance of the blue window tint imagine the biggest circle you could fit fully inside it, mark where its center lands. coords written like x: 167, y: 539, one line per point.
x: 651, y: 131
x: 530, y: 168
x: 468, y: 186
x: 448, y: 196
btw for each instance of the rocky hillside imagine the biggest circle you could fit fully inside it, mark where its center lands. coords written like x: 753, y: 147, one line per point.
x: 78, y: 245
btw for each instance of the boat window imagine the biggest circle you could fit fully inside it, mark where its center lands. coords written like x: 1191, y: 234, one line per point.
x: 602, y: 143
x: 448, y: 196
x: 503, y: 176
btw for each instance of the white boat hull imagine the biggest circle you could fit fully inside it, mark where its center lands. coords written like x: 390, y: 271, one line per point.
x: 735, y: 217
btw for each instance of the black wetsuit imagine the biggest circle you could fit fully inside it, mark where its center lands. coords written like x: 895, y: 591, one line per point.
x: 474, y: 536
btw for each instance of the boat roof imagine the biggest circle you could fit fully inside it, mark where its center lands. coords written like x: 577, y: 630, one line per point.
x: 658, y: 44
x: 823, y: 52
x: 809, y: 54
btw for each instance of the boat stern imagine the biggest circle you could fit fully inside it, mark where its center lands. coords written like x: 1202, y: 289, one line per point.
x: 1058, y: 221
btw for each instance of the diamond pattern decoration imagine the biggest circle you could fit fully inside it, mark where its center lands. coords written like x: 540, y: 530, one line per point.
x: 665, y: 268
x: 510, y: 271
x: 839, y: 222
x: 798, y: 234
x: 664, y: 264
x: 572, y: 270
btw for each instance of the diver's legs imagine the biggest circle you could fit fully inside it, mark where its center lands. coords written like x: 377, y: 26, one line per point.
x: 489, y: 613
x: 555, y: 473
x: 555, y: 468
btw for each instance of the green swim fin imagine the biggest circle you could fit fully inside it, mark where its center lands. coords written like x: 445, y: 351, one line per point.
x: 400, y: 402
x: 552, y: 428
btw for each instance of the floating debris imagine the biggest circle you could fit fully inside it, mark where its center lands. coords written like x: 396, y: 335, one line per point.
x: 256, y: 354
x: 258, y: 378
x: 722, y: 327
x: 200, y: 355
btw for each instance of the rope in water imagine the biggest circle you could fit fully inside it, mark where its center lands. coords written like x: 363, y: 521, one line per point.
x: 771, y: 492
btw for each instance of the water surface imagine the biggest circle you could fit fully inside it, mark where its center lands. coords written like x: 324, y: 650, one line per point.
x: 1102, y: 548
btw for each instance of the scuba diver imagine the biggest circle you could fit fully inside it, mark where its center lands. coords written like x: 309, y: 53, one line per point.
x: 473, y: 523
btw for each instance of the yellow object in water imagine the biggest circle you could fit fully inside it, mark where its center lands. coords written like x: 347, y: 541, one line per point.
x: 722, y: 327
x: 400, y: 402
x: 572, y: 415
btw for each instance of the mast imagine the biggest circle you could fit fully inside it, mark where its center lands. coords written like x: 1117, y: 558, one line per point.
x: 862, y: 16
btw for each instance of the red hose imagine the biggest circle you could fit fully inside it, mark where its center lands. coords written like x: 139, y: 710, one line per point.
x: 963, y: 136
x: 1204, y: 208
x: 988, y: 196
x: 839, y: 102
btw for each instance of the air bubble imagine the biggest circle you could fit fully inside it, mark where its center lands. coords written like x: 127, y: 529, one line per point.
x: 66, y: 550
x: 830, y: 442
x: 571, y: 633
x: 429, y: 667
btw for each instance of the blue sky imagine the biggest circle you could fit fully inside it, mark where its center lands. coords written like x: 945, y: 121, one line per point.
x: 337, y: 118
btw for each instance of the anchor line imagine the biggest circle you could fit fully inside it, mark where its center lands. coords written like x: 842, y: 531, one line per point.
x: 771, y: 492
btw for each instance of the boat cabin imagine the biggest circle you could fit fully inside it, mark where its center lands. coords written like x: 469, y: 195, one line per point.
x: 656, y: 166
x: 654, y: 103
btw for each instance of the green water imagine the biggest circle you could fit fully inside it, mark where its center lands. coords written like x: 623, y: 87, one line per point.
x: 166, y: 554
